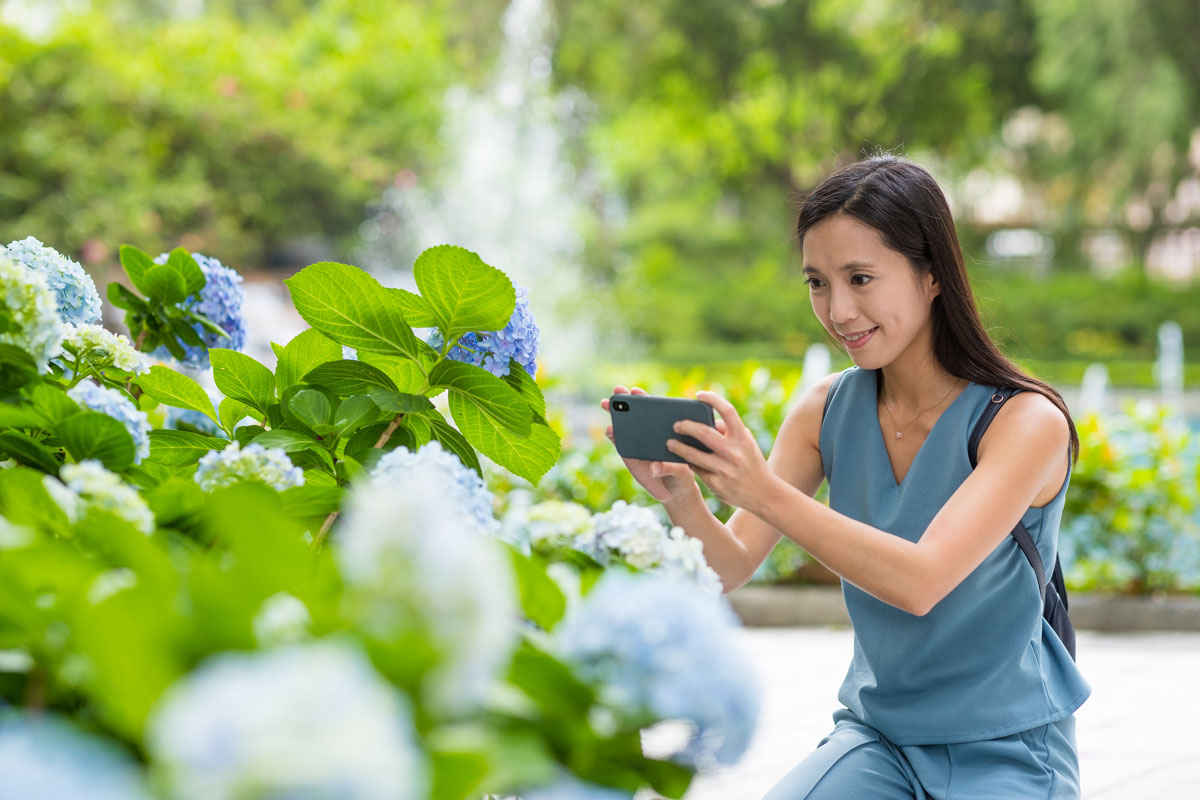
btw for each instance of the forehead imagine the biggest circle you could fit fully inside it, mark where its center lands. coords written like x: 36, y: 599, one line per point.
x: 841, y: 240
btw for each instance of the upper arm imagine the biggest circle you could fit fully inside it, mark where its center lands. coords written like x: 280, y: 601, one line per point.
x: 795, y: 457
x: 1023, y: 454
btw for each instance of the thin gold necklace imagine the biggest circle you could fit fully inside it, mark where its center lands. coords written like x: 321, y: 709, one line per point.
x: 900, y: 435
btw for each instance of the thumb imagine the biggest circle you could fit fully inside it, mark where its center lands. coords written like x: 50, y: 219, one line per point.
x: 656, y: 469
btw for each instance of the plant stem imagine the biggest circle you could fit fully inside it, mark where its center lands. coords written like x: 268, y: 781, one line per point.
x: 136, y: 391
x: 325, y: 526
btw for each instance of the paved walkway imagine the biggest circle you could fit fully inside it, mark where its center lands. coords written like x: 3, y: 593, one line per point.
x: 1137, y: 734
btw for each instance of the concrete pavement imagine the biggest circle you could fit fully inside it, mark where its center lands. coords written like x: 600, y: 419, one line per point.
x: 1137, y: 733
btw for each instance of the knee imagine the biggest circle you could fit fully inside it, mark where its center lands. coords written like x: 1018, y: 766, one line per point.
x: 869, y: 770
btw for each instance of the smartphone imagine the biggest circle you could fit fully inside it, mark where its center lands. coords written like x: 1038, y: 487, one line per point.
x: 642, y: 423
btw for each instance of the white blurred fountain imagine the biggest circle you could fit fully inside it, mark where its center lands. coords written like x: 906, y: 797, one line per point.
x: 817, y: 364
x: 1093, y: 393
x: 509, y: 194
x: 1169, y: 367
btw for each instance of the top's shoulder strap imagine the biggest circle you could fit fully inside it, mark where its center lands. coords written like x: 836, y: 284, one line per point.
x: 829, y: 397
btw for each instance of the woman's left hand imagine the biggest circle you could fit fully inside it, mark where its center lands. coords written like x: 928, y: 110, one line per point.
x: 735, y: 471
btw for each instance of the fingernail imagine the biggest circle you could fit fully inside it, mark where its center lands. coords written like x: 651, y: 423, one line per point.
x: 655, y: 470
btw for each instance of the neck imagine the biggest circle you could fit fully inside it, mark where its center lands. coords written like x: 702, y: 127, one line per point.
x: 910, y: 391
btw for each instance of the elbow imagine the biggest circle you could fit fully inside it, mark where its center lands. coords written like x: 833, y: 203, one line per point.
x: 923, y: 601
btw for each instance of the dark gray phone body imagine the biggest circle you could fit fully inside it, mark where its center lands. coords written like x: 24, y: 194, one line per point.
x: 643, y: 430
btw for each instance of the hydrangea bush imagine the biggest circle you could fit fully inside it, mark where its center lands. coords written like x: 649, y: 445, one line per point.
x: 297, y: 585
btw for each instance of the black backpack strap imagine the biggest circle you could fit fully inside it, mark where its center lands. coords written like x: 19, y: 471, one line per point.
x: 1054, y: 593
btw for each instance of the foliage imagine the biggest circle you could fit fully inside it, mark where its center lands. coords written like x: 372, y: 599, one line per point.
x: 1130, y: 520
x: 297, y: 605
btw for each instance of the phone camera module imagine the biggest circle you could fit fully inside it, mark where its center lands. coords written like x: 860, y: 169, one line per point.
x: 621, y: 405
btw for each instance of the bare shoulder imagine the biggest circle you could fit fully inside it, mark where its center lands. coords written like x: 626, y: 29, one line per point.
x: 796, y: 454
x: 1032, y: 431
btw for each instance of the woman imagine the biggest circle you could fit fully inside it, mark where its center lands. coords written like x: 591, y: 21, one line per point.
x: 957, y: 688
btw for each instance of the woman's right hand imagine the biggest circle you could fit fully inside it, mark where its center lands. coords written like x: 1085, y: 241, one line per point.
x: 664, y: 480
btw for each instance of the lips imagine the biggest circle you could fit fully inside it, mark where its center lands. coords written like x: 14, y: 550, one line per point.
x: 860, y: 338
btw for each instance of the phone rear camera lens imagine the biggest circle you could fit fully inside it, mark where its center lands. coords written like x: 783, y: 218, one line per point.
x: 621, y: 405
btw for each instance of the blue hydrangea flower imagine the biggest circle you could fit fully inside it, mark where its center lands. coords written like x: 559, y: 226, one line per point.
x: 253, y: 462
x: 221, y: 301
x: 119, y: 407
x: 654, y: 642
x: 74, y: 292
x: 29, y: 308
x: 301, y: 721
x: 45, y: 757
x: 469, y: 494
x: 492, y: 350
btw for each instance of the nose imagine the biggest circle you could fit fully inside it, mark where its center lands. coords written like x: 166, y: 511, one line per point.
x: 842, y: 308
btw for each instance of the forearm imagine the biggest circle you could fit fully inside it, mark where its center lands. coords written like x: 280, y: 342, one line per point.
x: 886, y: 566
x: 722, y: 550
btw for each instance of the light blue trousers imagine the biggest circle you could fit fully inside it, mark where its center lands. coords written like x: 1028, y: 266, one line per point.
x: 856, y: 761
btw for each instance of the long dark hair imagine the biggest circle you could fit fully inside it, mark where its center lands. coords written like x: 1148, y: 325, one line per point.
x: 904, y: 203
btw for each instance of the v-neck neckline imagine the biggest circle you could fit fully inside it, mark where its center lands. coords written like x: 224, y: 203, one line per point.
x: 882, y: 438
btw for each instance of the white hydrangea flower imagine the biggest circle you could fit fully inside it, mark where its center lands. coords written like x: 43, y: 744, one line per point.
x: 99, y: 340
x: 636, y: 534
x: 32, y: 322
x: 409, y: 559
x: 282, y: 619
x: 253, y: 462
x: 13, y: 536
x: 313, y: 720
x: 98, y: 488
x: 44, y: 757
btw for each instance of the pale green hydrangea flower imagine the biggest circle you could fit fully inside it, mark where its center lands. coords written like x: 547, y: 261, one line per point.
x: 99, y: 488
x: 104, y: 345
x: 29, y: 319
x: 237, y: 464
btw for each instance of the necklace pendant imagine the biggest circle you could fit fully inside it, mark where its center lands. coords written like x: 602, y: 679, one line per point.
x: 899, y: 435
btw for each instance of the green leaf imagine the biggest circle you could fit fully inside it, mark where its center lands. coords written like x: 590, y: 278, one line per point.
x: 311, y: 501
x: 667, y: 777
x: 163, y: 283
x: 176, y: 502
x: 463, y: 293
x: 363, y: 441
x: 20, y: 416
x: 400, y: 402
x: 530, y: 457
x: 541, y: 599
x: 444, y: 433
x: 306, y: 350
x: 351, y: 307
x: 180, y: 448
x: 233, y: 411
x: 24, y: 450
x: 193, y: 277
x: 99, y: 436
x: 353, y: 413
x: 136, y: 264
x: 526, y: 386
x: 404, y: 372
x: 311, y: 408
x: 17, y: 369
x: 288, y: 441
x: 416, y: 311
x: 25, y: 501
x: 495, y: 398
x: 348, y: 377
x: 52, y: 404
x: 122, y: 298
x: 239, y: 376
x: 549, y: 683
x: 176, y: 390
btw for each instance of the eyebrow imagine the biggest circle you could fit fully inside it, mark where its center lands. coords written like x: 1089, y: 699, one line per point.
x: 844, y: 268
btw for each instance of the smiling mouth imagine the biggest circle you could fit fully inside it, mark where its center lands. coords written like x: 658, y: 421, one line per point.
x: 854, y: 337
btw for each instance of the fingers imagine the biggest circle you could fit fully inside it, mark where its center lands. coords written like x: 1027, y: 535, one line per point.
x: 723, y: 407
x: 709, y: 462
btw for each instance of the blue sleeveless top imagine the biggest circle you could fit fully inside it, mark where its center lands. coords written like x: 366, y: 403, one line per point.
x: 983, y: 663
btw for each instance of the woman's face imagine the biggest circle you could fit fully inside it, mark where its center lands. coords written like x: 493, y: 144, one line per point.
x: 858, y: 285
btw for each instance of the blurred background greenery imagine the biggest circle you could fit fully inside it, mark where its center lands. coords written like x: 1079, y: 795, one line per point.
x: 1064, y: 131
x: 275, y: 133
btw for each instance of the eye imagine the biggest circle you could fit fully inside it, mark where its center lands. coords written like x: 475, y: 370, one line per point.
x: 865, y: 278
x: 812, y: 282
